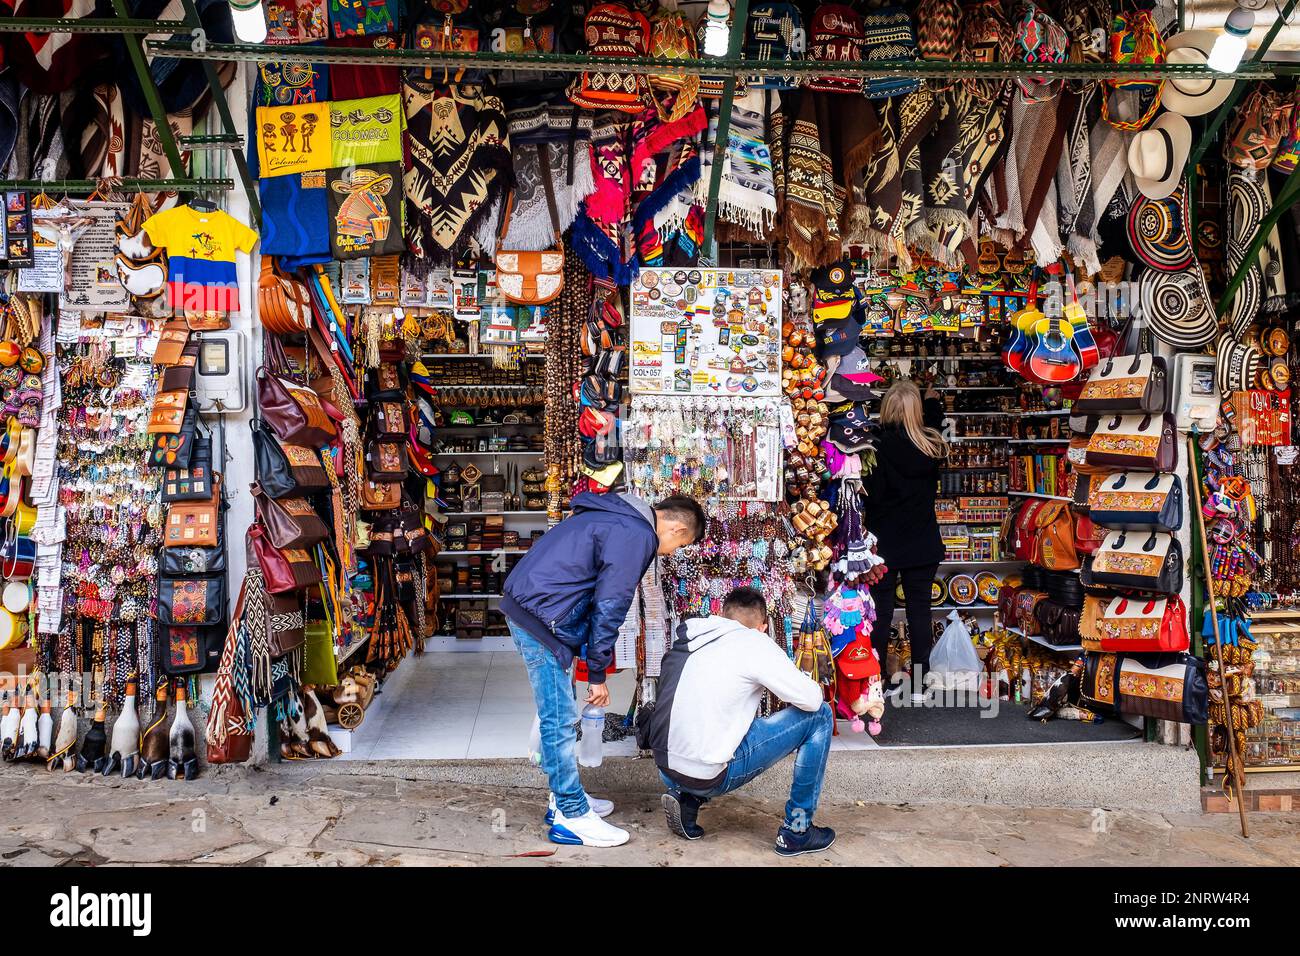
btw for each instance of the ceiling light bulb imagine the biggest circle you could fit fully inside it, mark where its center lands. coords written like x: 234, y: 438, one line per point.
x: 1230, y: 46
x: 249, y: 20
x: 717, y: 33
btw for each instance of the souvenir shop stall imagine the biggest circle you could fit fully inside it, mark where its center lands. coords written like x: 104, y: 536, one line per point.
x: 479, y: 265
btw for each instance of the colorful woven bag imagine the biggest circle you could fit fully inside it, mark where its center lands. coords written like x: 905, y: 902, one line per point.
x: 1135, y: 39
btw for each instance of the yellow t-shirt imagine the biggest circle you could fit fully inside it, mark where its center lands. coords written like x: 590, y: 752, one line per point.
x: 201, y: 249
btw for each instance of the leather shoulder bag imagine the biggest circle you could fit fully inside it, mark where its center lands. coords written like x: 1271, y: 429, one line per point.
x: 293, y: 411
x: 289, y: 522
x: 532, y: 278
x: 1126, y: 383
x: 283, y: 303
x: 1133, y: 559
x: 1143, y: 442
x: 1138, y: 500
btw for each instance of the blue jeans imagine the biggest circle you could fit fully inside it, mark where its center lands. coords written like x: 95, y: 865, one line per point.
x: 807, y: 735
x: 553, y: 693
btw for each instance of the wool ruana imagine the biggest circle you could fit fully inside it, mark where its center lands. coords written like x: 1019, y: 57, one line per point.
x: 458, y: 165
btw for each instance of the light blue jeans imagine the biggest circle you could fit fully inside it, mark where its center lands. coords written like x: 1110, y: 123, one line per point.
x: 807, y: 735
x: 553, y: 694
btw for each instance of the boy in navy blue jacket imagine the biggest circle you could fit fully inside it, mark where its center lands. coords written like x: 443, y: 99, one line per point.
x: 572, y: 591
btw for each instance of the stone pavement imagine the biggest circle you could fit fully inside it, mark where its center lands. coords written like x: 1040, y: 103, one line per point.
x: 318, y: 817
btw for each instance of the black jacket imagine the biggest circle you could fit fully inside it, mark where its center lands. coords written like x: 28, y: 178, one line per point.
x: 900, y: 498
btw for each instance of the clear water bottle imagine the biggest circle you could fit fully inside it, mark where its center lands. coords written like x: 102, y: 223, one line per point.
x: 535, y: 743
x: 591, y: 746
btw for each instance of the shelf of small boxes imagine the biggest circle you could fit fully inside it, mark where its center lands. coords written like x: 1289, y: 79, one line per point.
x: 1275, y: 744
x: 970, y: 526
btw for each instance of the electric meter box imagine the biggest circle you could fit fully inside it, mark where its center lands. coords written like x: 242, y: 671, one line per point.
x: 220, y: 375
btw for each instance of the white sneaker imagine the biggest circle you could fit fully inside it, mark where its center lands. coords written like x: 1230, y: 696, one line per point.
x: 603, y: 808
x: 586, y: 830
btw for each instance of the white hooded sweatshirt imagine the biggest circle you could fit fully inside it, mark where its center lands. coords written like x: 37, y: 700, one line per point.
x: 716, y: 694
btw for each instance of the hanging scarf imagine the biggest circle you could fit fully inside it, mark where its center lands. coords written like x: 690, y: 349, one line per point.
x: 458, y: 165
x: 892, y: 179
x: 746, y: 192
x: 1078, y: 217
x: 667, y: 208
x: 565, y: 132
x: 819, y: 149
x: 1037, y: 136
x: 981, y: 142
x: 651, y: 135
x: 598, y: 231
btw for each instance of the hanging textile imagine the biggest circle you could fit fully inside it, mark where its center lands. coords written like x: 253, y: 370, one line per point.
x: 458, y: 165
x: 565, y: 132
x: 746, y: 192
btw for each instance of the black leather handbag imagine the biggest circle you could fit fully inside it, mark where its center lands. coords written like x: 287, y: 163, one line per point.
x: 1163, y: 686
x: 192, y: 650
x: 273, y: 472
x: 1133, y: 559
x: 182, y: 562
x: 192, y: 602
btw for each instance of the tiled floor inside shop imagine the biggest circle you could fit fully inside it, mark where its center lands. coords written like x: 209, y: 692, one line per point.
x: 458, y: 704
x: 454, y: 703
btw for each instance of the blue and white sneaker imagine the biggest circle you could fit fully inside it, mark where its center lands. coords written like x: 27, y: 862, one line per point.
x: 603, y: 808
x: 586, y: 830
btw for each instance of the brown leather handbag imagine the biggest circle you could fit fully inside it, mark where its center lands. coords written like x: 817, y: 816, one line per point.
x: 194, y: 524
x: 283, y: 303
x: 293, y: 411
x: 381, y: 495
x: 386, y: 458
x: 290, y: 522
x: 532, y: 278
x: 168, y: 412
x: 285, y: 624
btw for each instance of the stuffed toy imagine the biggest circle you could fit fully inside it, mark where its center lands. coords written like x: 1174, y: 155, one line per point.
x: 859, y: 691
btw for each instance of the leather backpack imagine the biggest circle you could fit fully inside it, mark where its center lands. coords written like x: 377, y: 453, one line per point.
x: 1055, y: 546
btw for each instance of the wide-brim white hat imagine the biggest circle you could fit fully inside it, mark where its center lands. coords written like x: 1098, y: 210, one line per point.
x: 1192, y: 95
x: 1157, y: 155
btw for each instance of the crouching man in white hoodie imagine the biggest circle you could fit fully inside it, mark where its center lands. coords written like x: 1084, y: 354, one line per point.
x: 705, y: 737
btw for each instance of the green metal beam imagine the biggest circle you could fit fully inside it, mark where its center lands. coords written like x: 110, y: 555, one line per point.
x: 740, y: 16
x: 90, y: 25
x: 135, y: 50
x: 1287, y: 197
x: 138, y: 185
x: 1239, y: 88
x: 709, y: 66
x: 227, y: 121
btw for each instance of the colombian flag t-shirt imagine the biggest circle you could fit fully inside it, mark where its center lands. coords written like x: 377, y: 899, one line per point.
x: 201, y: 250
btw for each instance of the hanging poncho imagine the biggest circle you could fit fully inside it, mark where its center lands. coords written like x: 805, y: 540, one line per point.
x: 565, y: 131
x: 892, y: 180
x: 458, y: 166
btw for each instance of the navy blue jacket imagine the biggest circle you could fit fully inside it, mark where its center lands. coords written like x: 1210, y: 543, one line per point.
x: 576, y: 583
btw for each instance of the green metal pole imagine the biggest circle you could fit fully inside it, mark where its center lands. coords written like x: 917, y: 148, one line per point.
x: 1287, y: 197
x: 739, y: 18
x: 135, y: 49
x: 1238, y: 88
x: 227, y: 121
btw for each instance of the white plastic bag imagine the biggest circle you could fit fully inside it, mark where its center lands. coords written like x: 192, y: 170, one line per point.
x: 954, y: 665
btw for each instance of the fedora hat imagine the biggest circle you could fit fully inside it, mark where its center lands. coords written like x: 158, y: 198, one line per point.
x: 1157, y: 155
x: 1192, y: 95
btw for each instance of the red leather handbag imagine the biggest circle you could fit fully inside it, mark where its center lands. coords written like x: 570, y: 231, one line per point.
x: 1137, y: 625
x: 289, y: 570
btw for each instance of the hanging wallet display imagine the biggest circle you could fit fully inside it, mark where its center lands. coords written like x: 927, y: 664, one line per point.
x: 1134, y: 624
x: 190, y: 649
x: 1125, y: 383
x: 1142, y: 442
x: 193, y: 523
x: 171, y: 343
x: 194, y: 482
x: 192, y: 601
x: 1137, y: 500
x: 1132, y: 559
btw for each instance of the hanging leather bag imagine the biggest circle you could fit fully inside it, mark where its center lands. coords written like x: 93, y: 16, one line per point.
x: 283, y: 303
x: 1140, y: 442
x: 289, y: 522
x: 1132, y: 559
x: 1125, y: 383
x: 293, y: 411
x: 1138, y: 500
x: 533, y: 278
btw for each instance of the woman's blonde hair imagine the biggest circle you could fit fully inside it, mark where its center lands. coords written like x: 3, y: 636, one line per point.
x: 901, y: 407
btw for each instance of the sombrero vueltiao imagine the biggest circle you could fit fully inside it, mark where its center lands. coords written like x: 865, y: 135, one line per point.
x: 1158, y: 232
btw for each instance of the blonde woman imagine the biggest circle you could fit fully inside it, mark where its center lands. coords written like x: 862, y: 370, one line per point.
x: 900, y: 511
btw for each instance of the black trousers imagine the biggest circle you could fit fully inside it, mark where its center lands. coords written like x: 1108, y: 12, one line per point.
x: 916, y: 592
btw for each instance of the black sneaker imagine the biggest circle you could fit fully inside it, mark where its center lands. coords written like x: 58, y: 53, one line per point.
x: 789, y: 843
x: 681, y: 810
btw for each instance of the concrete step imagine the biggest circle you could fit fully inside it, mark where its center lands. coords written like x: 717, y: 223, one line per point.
x: 1118, y: 776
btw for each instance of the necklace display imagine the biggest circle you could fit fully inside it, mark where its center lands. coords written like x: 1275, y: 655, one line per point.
x: 114, y: 519
x: 707, y: 448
